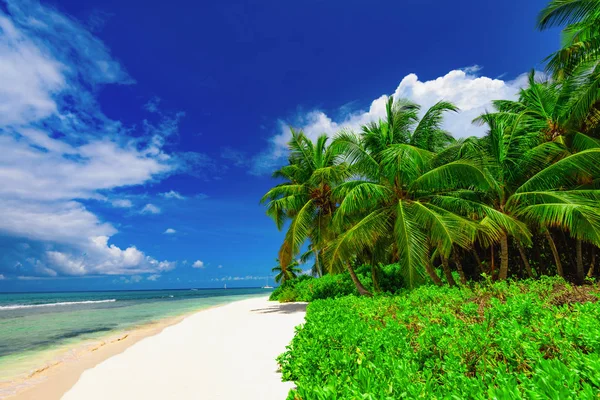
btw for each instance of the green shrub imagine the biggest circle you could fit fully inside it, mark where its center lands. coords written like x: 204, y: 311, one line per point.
x: 307, y: 288
x: 526, y: 340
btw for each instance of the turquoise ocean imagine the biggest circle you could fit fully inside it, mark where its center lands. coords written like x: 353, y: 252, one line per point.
x: 36, y: 326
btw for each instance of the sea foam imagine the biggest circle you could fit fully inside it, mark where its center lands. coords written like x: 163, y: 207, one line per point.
x: 62, y: 303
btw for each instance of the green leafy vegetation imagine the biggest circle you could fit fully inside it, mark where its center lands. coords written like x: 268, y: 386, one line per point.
x: 307, y: 288
x: 520, y: 202
x: 508, y: 340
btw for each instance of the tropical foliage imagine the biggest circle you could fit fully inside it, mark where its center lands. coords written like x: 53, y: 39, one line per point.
x: 285, y: 274
x: 523, y: 340
x: 521, y: 201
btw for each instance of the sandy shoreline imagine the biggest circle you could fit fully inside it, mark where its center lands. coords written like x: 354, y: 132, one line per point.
x: 198, y: 354
x: 53, y: 379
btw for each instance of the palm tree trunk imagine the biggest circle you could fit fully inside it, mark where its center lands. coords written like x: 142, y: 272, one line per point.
x: 525, y: 259
x: 578, y: 250
x: 493, y: 262
x: 317, y: 264
x: 432, y: 273
x: 461, y: 273
x: 559, y: 268
x: 447, y: 271
x: 503, y: 273
x: 478, y: 261
x: 376, y: 287
x: 592, y: 263
x: 359, y: 286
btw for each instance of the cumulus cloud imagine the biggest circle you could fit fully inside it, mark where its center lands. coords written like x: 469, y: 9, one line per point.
x: 472, y: 93
x: 220, y: 266
x: 59, y: 149
x: 2, y: 277
x: 150, y: 209
x: 170, y: 231
x: 154, y: 277
x: 198, y: 264
x: 172, y: 195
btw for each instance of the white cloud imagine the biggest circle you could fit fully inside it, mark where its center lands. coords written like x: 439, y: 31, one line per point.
x: 172, y: 195
x: 198, y: 264
x: 150, y: 209
x: 58, y: 148
x: 170, y: 231
x: 122, y: 203
x: 220, y: 266
x: 471, y: 93
x: 154, y: 277
x: 2, y: 277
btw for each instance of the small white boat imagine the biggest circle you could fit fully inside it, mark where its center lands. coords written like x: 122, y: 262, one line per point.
x: 267, y: 285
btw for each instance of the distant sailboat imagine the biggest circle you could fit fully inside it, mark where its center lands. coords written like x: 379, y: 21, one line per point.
x: 267, y: 284
x: 225, y: 286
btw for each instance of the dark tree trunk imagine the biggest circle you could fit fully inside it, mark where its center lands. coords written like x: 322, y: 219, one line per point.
x: 572, y: 262
x: 503, y: 273
x: 461, y: 273
x: 447, y: 271
x: 525, y: 259
x: 492, y: 262
x: 376, y: 287
x: 478, y: 261
x: 559, y: 268
x: 432, y: 273
x: 592, y: 262
x: 359, y: 286
x: 579, y: 251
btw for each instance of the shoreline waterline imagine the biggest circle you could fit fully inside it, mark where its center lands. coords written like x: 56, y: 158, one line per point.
x: 50, y: 372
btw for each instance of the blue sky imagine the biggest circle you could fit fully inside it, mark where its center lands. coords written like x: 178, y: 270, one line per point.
x: 138, y: 136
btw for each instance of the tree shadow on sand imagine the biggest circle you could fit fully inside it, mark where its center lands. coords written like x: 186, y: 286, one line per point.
x: 285, y: 308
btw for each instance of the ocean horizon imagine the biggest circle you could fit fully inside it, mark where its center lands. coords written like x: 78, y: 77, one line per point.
x: 38, y: 326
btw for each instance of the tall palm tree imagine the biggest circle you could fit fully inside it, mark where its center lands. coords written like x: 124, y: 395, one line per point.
x: 385, y: 209
x: 285, y: 274
x: 532, y: 172
x: 305, y: 197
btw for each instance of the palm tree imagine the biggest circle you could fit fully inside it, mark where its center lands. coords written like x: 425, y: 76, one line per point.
x: 386, y: 208
x: 580, y: 36
x: 288, y: 273
x: 305, y: 198
x: 537, y: 183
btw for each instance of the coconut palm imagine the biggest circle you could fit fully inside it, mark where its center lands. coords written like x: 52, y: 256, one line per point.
x: 535, y: 183
x: 285, y: 274
x: 305, y: 198
x: 580, y: 36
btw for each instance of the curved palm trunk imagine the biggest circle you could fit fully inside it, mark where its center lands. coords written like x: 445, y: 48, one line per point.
x: 432, y: 273
x: 359, y: 286
x: 578, y: 250
x: 559, y: 268
x: 503, y: 272
x: 525, y: 259
x: 447, y: 271
x: 592, y: 263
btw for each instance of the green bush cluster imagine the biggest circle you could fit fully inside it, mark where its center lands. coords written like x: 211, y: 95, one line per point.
x: 526, y: 340
x: 307, y: 288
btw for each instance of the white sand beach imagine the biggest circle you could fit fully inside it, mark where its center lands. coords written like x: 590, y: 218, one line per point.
x: 225, y: 352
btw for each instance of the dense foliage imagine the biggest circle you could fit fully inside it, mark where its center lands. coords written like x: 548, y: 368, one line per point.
x: 530, y: 339
x: 521, y: 201
x: 307, y: 288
